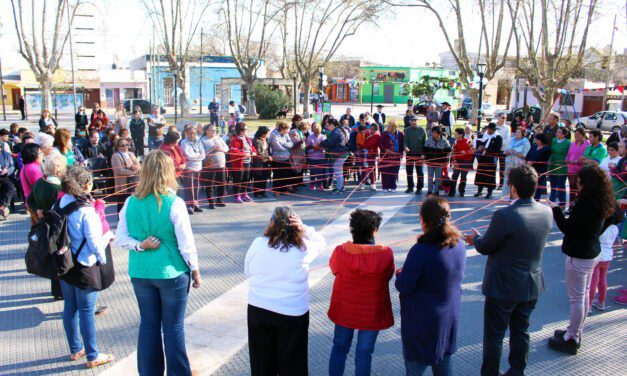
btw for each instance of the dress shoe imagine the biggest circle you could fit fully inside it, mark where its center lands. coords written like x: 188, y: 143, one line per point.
x: 559, y: 344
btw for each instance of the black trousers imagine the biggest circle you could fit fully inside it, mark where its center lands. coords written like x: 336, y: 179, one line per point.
x: 498, y: 316
x: 139, y: 145
x: 261, y: 174
x: 214, y: 180
x: 277, y: 344
x: 462, y: 169
x: 241, y: 179
x: 281, y: 173
x: 23, y: 113
x: 7, y: 191
x: 55, y: 288
x: 413, y: 162
x: 501, y: 157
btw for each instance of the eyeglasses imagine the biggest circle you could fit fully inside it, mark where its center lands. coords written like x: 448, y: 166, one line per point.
x: 123, y: 145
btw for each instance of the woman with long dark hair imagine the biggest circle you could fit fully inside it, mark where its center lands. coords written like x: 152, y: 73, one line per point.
x: 391, y: 145
x: 488, y: 146
x: 430, y: 290
x: 587, y: 221
x: 277, y: 265
x: 261, y: 162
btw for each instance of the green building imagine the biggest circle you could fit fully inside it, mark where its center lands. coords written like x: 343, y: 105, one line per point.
x: 390, y: 84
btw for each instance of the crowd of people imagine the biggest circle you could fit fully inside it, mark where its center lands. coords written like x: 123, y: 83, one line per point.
x: 156, y: 191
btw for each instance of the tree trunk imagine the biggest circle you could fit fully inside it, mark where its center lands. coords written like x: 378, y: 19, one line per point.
x: 45, y: 82
x: 306, y: 90
x: 547, y: 104
x: 183, y: 102
x: 250, y: 104
x: 474, y: 95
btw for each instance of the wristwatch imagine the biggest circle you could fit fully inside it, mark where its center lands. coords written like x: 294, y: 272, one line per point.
x: 138, y: 247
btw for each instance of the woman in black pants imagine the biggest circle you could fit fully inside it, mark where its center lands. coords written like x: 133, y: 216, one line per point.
x: 242, y: 151
x: 262, y: 162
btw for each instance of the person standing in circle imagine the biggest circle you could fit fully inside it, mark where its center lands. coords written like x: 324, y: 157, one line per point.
x: 155, y: 227
x: 594, y: 206
x: 430, y: 289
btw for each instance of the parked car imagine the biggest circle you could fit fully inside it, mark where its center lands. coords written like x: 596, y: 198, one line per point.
x: 143, y: 104
x: 487, y: 111
x: 421, y: 107
x: 465, y: 110
x: 536, y: 113
x: 608, y: 121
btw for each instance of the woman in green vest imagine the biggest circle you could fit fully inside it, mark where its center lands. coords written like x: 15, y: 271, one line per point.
x: 558, y: 170
x: 154, y: 226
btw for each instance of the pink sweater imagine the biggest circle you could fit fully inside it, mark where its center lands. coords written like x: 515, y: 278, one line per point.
x: 572, y: 157
x: 29, y: 175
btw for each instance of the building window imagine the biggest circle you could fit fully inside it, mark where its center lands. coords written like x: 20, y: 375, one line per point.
x: 341, y: 91
x: 217, y: 91
x: 375, y: 88
x: 109, y: 98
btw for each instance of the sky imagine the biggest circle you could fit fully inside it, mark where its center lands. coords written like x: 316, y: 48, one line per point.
x: 405, y: 37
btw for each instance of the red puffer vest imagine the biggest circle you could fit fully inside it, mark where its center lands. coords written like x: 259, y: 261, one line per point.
x: 361, y: 293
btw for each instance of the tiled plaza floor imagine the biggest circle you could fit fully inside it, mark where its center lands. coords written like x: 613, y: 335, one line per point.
x: 33, y: 342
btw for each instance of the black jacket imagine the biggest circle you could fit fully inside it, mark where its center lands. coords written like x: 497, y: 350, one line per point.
x: 514, y: 243
x: 581, y: 230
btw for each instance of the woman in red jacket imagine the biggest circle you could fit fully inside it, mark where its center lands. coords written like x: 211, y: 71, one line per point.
x: 463, y: 154
x: 371, y: 144
x: 171, y: 146
x: 241, y: 150
x: 361, y: 295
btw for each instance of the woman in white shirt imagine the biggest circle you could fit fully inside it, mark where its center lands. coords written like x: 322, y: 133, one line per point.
x: 277, y: 265
x: 125, y: 168
x: 121, y: 119
x: 612, y: 159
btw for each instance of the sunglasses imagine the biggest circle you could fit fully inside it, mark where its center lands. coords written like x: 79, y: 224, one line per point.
x: 123, y: 146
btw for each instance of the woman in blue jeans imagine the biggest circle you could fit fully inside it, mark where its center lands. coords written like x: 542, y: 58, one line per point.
x: 361, y: 293
x: 429, y: 284
x: 154, y: 226
x: 80, y: 286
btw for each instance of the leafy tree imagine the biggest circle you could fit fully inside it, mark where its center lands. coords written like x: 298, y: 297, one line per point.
x: 427, y: 87
x: 269, y: 101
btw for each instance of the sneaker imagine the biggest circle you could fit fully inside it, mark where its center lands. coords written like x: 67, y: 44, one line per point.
x: 238, y: 199
x: 373, y: 188
x: 361, y: 187
x: 621, y: 299
x: 101, y: 310
x: 559, y: 344
x: 246, y: 198
x: 622, y: 292
x: 598, y: 305
x: 312, y: 187
x: 321, y: 188
x: 335, y: 192
x: 4, y: 212
x: 409, y: 190
x: 220, y: 203
x: 418, y: 191
x: 197, y: 209
x: 190, y: 210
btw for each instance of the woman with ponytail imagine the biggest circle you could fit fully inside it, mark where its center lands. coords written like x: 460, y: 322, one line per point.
x: 429, y: 284
x: 277, y: 265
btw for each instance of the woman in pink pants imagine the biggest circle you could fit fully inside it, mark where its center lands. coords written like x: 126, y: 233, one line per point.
x: 599, y: 276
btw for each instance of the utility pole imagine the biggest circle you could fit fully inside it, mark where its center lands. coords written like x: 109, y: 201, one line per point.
x: 4, y: 110
x: 609, y: 66
x: 201, y: 59
x: 69, y: 27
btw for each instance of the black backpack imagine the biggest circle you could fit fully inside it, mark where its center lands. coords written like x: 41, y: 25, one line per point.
x: 49, y: 253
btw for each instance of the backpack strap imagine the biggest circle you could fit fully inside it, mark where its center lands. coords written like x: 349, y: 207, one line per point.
x: 69, y: 208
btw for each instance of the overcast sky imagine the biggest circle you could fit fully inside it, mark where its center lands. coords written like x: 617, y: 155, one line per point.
x: 405, y: 37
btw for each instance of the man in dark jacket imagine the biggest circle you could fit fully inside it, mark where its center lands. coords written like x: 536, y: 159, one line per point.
x: 349, y: 117
x: 379, y: 116
x: 513, y: 278
x: 94, y: 149
x: 80, y: 122
x: 22, y: 105
x: 414, y: 140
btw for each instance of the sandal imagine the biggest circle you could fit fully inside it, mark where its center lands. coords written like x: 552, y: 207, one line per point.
x: 101, y: 360
x: 77, y: 355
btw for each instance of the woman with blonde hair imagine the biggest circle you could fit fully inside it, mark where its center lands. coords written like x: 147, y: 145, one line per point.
x: 277, y: 265
x: 46, y: 120
x: 63, y: 144
x: 125, y: 167
x: 121, y: 120
x: 155, y: 227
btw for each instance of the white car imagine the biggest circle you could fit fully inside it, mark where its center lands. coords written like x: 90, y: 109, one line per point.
x: 608, y: 121
x: 487, y: 111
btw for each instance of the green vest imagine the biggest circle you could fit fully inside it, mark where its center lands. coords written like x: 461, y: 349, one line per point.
x: 144, y: 219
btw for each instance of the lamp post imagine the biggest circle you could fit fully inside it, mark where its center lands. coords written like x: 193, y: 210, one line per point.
x: 320, y: 87
x: 481, y: 72
x: 294, y: 90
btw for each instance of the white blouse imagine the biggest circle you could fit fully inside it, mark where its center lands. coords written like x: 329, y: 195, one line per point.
x: 182, y: 229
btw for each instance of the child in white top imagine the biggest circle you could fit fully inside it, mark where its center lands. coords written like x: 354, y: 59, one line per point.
x: 599, y: 276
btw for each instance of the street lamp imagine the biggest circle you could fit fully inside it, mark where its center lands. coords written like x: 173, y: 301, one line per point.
x: 481, y: 72
x: 320, y: 95
x: 294, y: 77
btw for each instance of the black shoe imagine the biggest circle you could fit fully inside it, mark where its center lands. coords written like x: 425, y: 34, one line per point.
x: 451, y: 194
x: 263, y: 194
x: 478, y: 194
x: 409, y: 190
x: 488, y: 196
x: 57, y: 298
x: 212, y: 206
x: 461, y: 193
x: 559, y: 333
x: 190, y: 211
x: 418, y: 191
x: 220, y: 204
x: 197, y: 209
x: 559, y: 344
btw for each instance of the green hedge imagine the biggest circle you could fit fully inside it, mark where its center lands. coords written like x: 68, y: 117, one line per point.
x: 269, y: 101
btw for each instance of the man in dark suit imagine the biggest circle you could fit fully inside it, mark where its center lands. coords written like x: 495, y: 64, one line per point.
x: 379, y: 116
x: 94, y: 149
x: 513, y: 278
x: 22, y: 105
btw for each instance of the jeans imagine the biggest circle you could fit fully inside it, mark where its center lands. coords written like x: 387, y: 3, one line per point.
x: 558, y: 189
x: 541, y: 190
x: 7, y: 191
x: 578, y: 278
x: 498, y: 315
x: 316, y: 171
x: 79, y: 307
x: 444, y: 368
x: 162, y: 303
x: 412, y: 162
x: 434, y: 178
x: 338, y: 171
x: 342, y: 340
x: 599, y: 280
x: 191, y: 184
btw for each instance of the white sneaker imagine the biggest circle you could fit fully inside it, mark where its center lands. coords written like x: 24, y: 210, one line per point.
x: 599, y: 306
x: 373, y: 188
x: 361, y: 187
x: 393, y: 190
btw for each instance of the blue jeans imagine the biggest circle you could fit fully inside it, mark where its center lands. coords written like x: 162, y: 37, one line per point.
x: 342, y: 341
x: 162, y: 302
x: 444, y: 368
x: 435, y: 176
x: 558, y: 189
x: 79, y: 307
x: 338, y: 171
